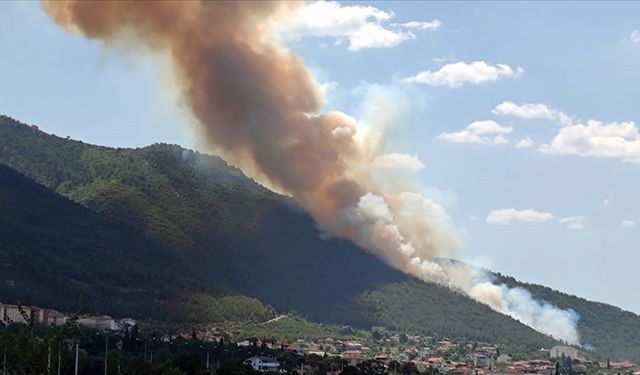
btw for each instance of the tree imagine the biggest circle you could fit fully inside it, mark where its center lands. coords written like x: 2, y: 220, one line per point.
x: 350, y: 370
x: 409, y: 368
x: 235, y: 368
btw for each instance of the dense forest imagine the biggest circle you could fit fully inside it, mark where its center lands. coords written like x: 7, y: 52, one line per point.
x: 198, y: 240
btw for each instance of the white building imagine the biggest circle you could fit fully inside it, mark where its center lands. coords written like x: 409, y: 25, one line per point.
x: 103, y: 323
x: 31, y: 314
x: 11, y: 313
x: 568, y: 351
x: 263, y: 364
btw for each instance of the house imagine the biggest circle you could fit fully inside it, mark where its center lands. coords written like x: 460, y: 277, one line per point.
x: 262, y: 364
x: 352, y: 356
x: 461, y: 370
x: 352, y: 345
x: 103, y: 322
x: 435, y: 361
x: 444, y: 346
x: 481, y: 361
x: 567, y: 351
x: 317, y: 352
x: 623, y: 365
x: 384, y: 358
x: 424, y: 352
x: 504, y: 358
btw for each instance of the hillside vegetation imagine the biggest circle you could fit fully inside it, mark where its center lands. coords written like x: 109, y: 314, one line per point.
x: 57, y: 253
x: 234, y: 237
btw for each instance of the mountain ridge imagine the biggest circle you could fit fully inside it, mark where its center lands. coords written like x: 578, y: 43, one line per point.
x: 224, y: 224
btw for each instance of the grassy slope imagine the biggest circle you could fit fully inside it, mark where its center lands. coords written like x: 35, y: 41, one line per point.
x: 249, y: 240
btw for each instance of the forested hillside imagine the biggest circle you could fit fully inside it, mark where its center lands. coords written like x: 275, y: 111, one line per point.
x: 236, y: 237
x: 57, y: 253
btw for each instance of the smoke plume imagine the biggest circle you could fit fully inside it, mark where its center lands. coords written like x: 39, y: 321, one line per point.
x: 259, y: 107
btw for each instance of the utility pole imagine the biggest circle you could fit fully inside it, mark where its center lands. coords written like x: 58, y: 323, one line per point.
x: 49, y: 359
x: 207, y: 359
x: 58, y: 361
x: 106, y: 353
x: 76, y: 369
x: 4, y: 361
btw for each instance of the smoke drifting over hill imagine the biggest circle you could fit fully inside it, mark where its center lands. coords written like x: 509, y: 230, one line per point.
x: 258, y: 106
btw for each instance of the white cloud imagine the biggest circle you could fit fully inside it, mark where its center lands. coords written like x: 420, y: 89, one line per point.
x: 531, y: 111
x: 440, y: 60
x: 432, y: 25
x: 481, y: 132
x: 507, y: 215
x: 399, y: 161
x: 635, y: 36
x: 525, y: 142
x: 593, y: 139
x: 626, y: 223
x: 608, y: 199
x: 597, y: 139
x: 573, y: 222
x: 372, y: 35
x: 363, y: 26
x: 457, y: 74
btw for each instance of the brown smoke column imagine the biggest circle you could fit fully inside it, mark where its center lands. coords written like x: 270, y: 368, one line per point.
x: 257, y: 104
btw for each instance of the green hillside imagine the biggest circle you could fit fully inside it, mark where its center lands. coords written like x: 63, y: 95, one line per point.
x: 60, y: 254
x: 235, y: 237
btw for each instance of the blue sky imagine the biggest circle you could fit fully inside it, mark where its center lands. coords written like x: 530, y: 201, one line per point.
x: 567, y: 76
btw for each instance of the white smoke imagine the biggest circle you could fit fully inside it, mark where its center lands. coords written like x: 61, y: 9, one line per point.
x: 382, y: 222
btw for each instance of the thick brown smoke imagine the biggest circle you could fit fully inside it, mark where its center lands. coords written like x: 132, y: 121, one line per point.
x: 258, y: 106
x: 256, y: 103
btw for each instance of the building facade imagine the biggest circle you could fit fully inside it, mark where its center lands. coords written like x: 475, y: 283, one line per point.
x: 263, y: 364
x: 31, y: 314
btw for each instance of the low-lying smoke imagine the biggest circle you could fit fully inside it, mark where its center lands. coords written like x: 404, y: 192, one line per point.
x: 258, y: 106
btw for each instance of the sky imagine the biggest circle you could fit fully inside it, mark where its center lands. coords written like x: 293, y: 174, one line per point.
x: 524, y: 116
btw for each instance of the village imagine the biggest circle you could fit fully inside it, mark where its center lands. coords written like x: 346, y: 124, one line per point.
x: 400, y: 353
x: 376, y: 351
